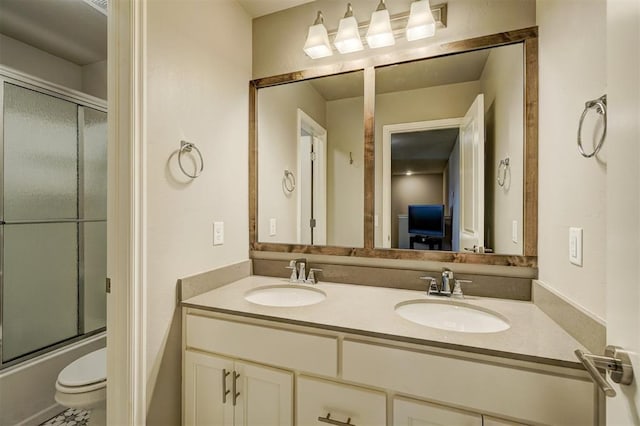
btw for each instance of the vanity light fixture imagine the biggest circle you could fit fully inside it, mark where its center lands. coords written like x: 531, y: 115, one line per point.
x: 317, y: 44
x: 421, y: 23
x: 409, y: 173
x: 348, y: 38
x: 379, y: 33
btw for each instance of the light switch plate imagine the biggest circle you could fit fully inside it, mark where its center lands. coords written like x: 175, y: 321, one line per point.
x: 218, y: 233
x: 575, y: 246
x: 514, y: 231
x: 272, y: 227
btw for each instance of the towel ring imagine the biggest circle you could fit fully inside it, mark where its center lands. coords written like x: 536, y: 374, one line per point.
x: 188, y: 147
x: 289, y: 181
x: 502, y: 167
x: 600, y: 105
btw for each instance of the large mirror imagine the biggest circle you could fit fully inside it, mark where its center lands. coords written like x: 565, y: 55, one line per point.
x: 449, y: 149
x: 424, y: 154
x: 310, y: 148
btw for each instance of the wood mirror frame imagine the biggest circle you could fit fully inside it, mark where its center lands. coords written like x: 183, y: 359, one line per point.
x: 527, y: 36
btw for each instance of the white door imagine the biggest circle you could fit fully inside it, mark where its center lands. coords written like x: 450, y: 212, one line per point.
x: 304, y: 188
x: 472, y: 176
x: 312, y: 181
x: 266, y: 396
x: 417, y: 413
x: 623, y: 201
x: 206, y: 378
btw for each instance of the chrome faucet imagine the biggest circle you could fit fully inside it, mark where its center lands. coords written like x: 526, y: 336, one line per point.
x: 447, y: 277
x: 297, y: 267
x: 445, y: 287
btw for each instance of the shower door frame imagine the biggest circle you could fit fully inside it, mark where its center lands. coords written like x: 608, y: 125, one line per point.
x: 29, y: 82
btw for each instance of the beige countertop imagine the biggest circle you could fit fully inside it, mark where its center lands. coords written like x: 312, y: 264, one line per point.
x: 370, y: 311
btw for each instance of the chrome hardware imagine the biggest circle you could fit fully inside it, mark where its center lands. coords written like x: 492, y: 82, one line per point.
x: 457, y: 289
x: 433, y: 286
x: 188, y: 147
x: 502, y: 170
x: 329, y: 420
x: 235, y: 384
x: 615, y: 360
x: 289, y: 181
x: 294, y: 271
x: 301, y: 272
x: 312, y: 276
x: 225, y: 392
x: 600, y: 105
x: 295, y: 265
x: 447, y: 276
x: 479, y: 249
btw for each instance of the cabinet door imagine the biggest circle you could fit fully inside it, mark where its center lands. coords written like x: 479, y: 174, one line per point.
x: 319, y: 398
x: 204, y: 399
x: 417, y: 413
x: 266, y: 396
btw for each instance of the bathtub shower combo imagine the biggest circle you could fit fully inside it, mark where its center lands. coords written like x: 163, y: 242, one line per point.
x: 53, y: 207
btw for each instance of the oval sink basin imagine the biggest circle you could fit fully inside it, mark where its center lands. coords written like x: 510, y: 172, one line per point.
x: 452, y: 316
x: 285, y: 296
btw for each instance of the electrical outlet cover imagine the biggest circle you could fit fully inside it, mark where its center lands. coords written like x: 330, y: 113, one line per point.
x: 218, y: 233
x: 575, y: 246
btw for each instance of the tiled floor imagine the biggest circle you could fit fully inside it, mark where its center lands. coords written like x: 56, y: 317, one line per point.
x: 71, y: 417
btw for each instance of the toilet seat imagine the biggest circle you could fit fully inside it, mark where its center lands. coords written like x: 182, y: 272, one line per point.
x: 86, y: 374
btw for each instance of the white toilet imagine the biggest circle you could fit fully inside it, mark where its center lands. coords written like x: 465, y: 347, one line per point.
x: 83, y: 384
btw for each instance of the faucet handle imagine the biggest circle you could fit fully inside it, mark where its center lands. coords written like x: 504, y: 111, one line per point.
x: 457, y: 290
x: 294, y: 271
x: 433, y: 285
x: 312, y: 276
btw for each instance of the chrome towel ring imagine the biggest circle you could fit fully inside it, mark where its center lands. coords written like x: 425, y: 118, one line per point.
x: 600, y: 105
x: 289, y: 181
x: 188, y: 147
x: 502, y: 169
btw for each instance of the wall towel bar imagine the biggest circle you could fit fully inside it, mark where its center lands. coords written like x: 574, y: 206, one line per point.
x: 188, y: 147
x: 600, y: 106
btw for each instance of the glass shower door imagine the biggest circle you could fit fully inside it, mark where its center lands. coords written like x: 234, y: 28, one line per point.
x: 39, y: 208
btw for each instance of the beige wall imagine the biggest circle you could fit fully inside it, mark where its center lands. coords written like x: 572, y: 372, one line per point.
x: 278, y: 38
x: 433, y: 103
x: 94, y: 79
x: 572, y: 189
x: 345, y: 181
x: 502, y: 83
x: 28, y: 59
x: 277, y: 151
x: 90, y: 79
x: 195, y: 89
x: 414, y: 189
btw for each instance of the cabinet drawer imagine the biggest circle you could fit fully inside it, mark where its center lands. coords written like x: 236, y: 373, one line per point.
x: 407, y: 412
x: 482, y: 387
x: 287, y: 349
x: 318, y: 398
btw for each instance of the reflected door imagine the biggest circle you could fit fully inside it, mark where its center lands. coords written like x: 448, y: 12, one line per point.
x: 312, y: 176
x: 472, y: 176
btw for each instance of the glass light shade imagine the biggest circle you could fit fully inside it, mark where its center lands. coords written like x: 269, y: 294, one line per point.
x: 421, y: 23
x: 348, y: 38
x: 317, y: 44
x: 379, y: 33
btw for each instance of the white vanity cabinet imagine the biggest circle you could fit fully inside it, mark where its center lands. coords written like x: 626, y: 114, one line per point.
x: 320, y: 401
x: 219, y: 391
x: 363, y: 381
x: 408, y: 412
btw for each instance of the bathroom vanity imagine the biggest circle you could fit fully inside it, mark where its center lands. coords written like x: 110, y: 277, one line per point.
x: 350, y: 358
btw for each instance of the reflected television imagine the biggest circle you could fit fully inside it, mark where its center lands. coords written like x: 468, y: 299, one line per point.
x: 426, y: 220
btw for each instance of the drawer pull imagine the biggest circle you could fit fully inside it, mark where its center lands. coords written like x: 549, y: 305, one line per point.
x: 235, y: 384
x: 329, y: 420
x: 225, y: 392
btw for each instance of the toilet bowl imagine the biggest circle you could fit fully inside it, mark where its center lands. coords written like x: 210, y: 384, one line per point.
x: 83, y: 385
